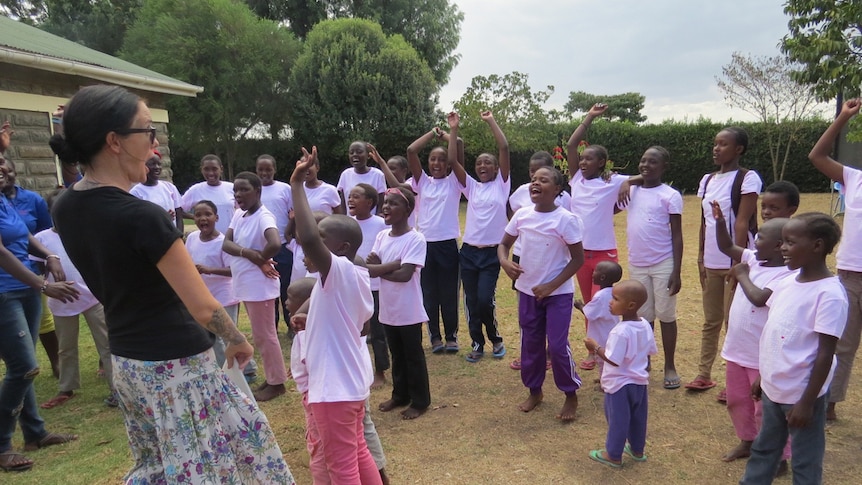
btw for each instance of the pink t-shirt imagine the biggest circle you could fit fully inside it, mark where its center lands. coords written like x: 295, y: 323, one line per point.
x: 629, y: 344
x: 249, y: 282
x: 520, y: 198
x: 437, y: 218
x: 648, y: 228
x: 86, y: 300
x: 164, y: 194
x: 546, y: 237
x: 598, y: 313
x: 486, y: 210
x: 401, y: 303
x: 798, y: 312
x: 338, y: 369
x: 370, y: 227
x: 351, y: 178
x: 277, y: 199
x: 209, y: 253
x: 745, y: 321
x: 719, y: 189
x: 848, y: 256
x: 221, y: 195
x: 322, y: 198
x: 593, y: 201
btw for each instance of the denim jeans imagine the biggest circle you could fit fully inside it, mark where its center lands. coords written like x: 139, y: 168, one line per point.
x: 808, y: 445
x: 20, y: 312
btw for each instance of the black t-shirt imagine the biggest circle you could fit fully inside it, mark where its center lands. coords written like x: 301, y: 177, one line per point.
x: 115, y: 241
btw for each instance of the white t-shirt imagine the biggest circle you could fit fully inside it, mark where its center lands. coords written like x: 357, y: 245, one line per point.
x: 86, y: 300
x: 520, y: 198
x: 221, y: 195
x: 437, y: 218
x: 249, y: 282
x: 299, y: 270
x: 338, y: 370
x: 209, y: 253
x: 848, y: 256
x: 798, y: 312
x: 745, y: 321
x: 276, y: 198
x: 322, y: 198
x: 546, y: 237
x: 593, y: 201
x: 648, y: 232
x: 719, y: 189
x: 486, y: 210
x: 351, y: 178
x: 371, y: 227
x: 629, y: 344
x: 598, y: 313
x: 298, y: 370
x: 164, y: 194
x: 401, y: 303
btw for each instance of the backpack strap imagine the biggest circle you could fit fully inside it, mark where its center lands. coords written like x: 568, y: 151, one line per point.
x: 736, y: 199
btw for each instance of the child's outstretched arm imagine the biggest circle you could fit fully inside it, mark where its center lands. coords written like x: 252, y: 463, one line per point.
x: 545, y: 289
x: 413, y: 153
x: 572, y: 155
x: 820, y: 154
x: 722, y: 237
x: 756, y: 295
x: 502, y: 144
x: 307, y: 234
x: 452, y: 154
x: 674, y: 283
x: 512, y: 269
x: 391, y: 181
x: 801, y: 413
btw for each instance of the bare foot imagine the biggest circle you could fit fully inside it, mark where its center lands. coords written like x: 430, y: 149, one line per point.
x: 384, y: 477
x: 742, y: 450
x: 389, y: 405
x: 830, y: 412
x: 607, y: 457
x: 379, y: 380
x: 412, y: 413
x: 567, y: 413
x: 531, y: 402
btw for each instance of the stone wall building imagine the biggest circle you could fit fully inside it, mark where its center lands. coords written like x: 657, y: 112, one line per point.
x: 41, y: 71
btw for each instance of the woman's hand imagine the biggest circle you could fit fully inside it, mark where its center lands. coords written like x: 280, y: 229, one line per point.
x: 64, y: 291
x: 53, y: 266
x: 242, y: 352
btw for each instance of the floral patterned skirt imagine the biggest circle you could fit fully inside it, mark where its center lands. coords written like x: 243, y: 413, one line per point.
x: 188, y: 423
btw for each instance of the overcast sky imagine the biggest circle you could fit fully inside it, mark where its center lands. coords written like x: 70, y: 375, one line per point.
x: 668, y: 50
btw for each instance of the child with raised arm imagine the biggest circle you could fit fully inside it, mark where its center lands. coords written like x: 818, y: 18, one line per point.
x: 360, y: 173
x: 321, y: 195
x: 160, y: 192
x: 438, y: 222
x: 551, y: 239
x: 848, y: 258
x: 597, y: 311
x: 654, y: 238
x: 807, y: 315
x: 397, y: 258
x: 396, y: 171
x: 339, y: 373
x: 626, y: 379
x: 485, y: 227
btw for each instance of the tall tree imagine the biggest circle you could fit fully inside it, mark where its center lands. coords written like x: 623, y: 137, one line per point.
x: 352, y: 81
x: 241, y: 60
x: 764, y: 87
x: 621, y: 107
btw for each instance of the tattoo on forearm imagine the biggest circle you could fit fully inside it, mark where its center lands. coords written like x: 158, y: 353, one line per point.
x: 222, y: 325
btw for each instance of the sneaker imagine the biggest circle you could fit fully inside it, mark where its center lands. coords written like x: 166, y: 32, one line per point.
x: 111, y: 401
x: 475, y: 356
x: 499, y: 350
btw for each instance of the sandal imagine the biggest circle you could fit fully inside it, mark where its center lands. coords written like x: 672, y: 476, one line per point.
x: 452, y: 347
x: 437, y: 347
x: 475, y: 356
x: 515, y: 365
x: 722, y: 396
x: 11, y: 461
x: 628, y: 450
x: 50, y: 439
x: 587, y: 365
x: 55, y: 401
x: 700, y: 384
x: 597, y: 456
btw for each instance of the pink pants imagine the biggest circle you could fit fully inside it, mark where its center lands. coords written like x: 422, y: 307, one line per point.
x: 335, y: 438
x: 265, y: 336
x: 745, y: 412
x: 585, y: 272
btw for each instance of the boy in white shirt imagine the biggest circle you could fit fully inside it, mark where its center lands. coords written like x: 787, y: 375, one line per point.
x: 597, y: 310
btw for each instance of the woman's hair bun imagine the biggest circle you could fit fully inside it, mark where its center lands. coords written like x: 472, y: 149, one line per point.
x: 67, y: 154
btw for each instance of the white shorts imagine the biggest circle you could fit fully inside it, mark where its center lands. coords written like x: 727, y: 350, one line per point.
x: 660, y: 303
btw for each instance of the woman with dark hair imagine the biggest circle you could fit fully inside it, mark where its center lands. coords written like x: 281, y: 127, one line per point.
x: 184, y: 417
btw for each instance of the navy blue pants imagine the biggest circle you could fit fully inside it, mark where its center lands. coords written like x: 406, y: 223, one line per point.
x: 480, y: 269
x: 439, y: 280
x: 626, y: 412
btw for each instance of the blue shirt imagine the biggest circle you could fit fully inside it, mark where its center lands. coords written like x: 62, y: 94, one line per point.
x: 16, y: 239
x: 32, y: 209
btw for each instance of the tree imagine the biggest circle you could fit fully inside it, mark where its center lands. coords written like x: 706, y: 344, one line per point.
x: 621, y: 107
x: 764, y: 87
x: 242, y: 62
x: 354, y: 82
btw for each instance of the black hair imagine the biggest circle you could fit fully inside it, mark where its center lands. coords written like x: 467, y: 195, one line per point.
x: 558, y: 176
x: 821, y: 226
x: 251, y: 177
x: 665, y: 155
x: 211, y: 156
x: 400, y: 161
x: 740, y: 136
x: 545, y: 157
x: 601, y: 151
x: 88, y: 117
x: 207, y: 203
x: 489, y: 155
x: 614, y: 271
x: 363, y: 143
x: 788, y: 189
x: 408, y: 196
x: 369, y: 192
x: 266, y: 157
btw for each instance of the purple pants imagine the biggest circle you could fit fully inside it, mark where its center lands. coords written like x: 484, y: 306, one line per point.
x: 626, y: 412
x: 548, y: 321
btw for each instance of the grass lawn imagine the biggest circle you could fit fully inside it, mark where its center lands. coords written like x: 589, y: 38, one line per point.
x: 474, y: 433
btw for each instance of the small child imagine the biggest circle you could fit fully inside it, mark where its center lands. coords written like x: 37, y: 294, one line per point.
x: 807, y: 315
x: 396, y: 171
x: 339, y: 372
x: 779, y: 199
x: 360, y: 173
x: 160, y: 192
x: 551, y: 240
x: 597, y: 311
x: 625, y: 382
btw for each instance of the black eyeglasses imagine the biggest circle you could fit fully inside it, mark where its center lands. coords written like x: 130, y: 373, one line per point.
x: 128, y: 131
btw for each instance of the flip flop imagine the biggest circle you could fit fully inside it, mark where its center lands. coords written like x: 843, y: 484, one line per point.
x: 722, y: 396
x: 672, y: 383
x: 587, y: 364
x: 50, y: 439
x: 597, y: 456
x: 700, y: 384
x: 452, y: 347
x: 628, y: 450
x: 515, y: 364
x: 55, y: 401
x: 437, y: 347
x: 8, y: 457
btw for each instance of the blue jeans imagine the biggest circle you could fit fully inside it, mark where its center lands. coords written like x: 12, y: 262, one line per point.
x: 20, y: 312
x: 807, y: 445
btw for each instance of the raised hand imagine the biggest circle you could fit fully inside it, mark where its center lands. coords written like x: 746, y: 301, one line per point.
x: 717, y: 214
x: 487, y: 116
x: 453, y: 119
x: 304, y: 164
x: 598, y: 109
x: 372, y: 152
